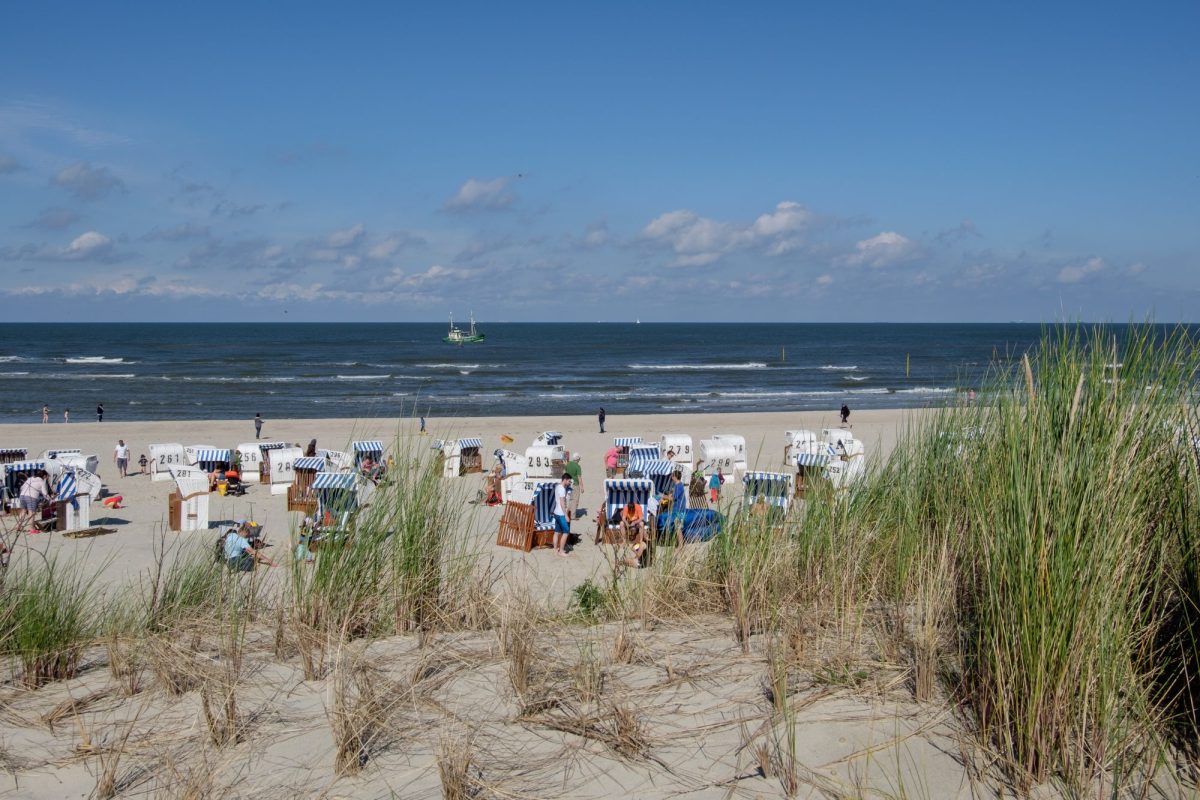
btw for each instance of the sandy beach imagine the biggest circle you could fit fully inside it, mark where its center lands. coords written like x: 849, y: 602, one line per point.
x: 677, y: 707
x: 139, y: 524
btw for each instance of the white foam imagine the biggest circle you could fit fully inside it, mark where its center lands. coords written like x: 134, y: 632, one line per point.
x: 925, y: 390
x: 857, y: 377
x: 703, y: 367
x: 363, y: 377
x: 839, y: 368
x: 95, y: 360
x: 449, y: 366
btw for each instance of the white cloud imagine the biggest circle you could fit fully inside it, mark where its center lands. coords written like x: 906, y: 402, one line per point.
x: 824, y: 280
x: 87, y: 182
x: 787, y: 218
x: 1074, y: 273
x: 694, y: 239
x: 475, y: 193
x: 347, y: 237
x: 437, y: 276
x: 882, y: 250
x: 698, y: 240
x: 87, y: 245
x: 1136, y: 269
x: 596, y: 234
x: 387, y: 247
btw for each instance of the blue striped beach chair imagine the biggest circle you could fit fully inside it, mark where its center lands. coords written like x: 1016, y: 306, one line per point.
x: 337, y: 500
x: 16, y: 472
x: 524, y: 526
x: 617, y: 493
x: 639, y: 456
x: 624, y: 444
x: 658, y: 472
x: 11, y: 454
x: 773, y: 490
x: 301, y: 495
x: 810, y: 464
x: 370, y: 448
x: 212, y: 459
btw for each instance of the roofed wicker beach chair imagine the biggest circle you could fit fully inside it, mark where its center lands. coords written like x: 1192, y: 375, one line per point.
x: 768, y: 494
x: 623, y: 445
x: 524, y: 526
x: 618, y: 492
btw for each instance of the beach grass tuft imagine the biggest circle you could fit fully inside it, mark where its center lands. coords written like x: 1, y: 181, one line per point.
x: 49, y: 615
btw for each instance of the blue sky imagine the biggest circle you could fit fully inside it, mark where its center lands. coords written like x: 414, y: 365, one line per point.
x: 557, y: 161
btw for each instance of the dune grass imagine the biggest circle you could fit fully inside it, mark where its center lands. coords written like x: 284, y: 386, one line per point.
x: 49, y: 612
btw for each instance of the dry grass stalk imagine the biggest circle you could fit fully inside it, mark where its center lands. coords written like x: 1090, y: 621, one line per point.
x: 72, y: 707
x: 518, y: 638
x: 625, y: 647
x: 359, y: 717
x: 125, y: 665
x: 218, y: 703
x: 455, y: 764
x: 618, y: 727
x: 109, y: 761
x: 589, y: 675
x: 176, y: 669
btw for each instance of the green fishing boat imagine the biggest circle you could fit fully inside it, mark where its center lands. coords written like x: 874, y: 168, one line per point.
x: 459, y: 336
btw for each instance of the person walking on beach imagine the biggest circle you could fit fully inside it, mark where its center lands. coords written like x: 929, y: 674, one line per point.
x: 600, y: 416
x: 66, y: 415
x: 100, y: 412
x: 714, y: 486
x: 258, y: 420
x: 611, y: 459
x: 121, y: 456
x: 562, y: 525
x: 45, y: 414
x: 575, y: 470
x: 845, y: 414
x: 422, y: 424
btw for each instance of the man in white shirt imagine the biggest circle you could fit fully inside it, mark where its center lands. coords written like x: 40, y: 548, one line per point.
x: 562, y: 525
x: 121, y: 456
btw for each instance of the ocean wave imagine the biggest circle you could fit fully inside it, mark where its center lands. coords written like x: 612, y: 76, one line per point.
x: 363, y: 377
x: 925, y: 390
x: 857, y: 378
x: 13, y: 374
x: 10, y: 359
x: 449, y: 366
x: 94, y: 360
x: 699, y: 367
x: 839, y: 368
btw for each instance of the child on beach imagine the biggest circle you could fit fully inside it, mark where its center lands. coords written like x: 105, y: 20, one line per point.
x: 714, y: 486
x: 142, y: 462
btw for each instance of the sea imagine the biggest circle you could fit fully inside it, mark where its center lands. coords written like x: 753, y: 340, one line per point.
x: 368, y: 370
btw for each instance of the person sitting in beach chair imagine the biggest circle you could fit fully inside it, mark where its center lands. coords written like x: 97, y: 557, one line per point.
x: 633, y: 528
